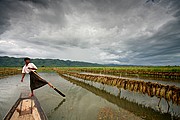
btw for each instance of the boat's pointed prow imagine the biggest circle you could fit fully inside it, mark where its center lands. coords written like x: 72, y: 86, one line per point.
x: 26, y: 108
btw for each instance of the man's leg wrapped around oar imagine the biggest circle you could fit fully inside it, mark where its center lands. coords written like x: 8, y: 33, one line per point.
x: 36, y: 82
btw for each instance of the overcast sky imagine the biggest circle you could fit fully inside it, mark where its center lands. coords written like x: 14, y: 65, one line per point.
x: 138, y: 32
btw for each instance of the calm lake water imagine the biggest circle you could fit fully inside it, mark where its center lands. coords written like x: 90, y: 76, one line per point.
x: 85, y: 100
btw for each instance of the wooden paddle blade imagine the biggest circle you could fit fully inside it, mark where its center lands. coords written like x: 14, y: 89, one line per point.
x: 59, y: 92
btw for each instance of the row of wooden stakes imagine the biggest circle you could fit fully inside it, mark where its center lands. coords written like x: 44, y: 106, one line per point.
x: 167, y: 92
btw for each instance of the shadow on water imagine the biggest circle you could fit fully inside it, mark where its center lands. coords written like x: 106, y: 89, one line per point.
x: 56, y: 108
x: 138, y: 109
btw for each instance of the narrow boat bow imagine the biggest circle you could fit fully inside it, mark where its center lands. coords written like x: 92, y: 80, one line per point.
x: 26, y: 108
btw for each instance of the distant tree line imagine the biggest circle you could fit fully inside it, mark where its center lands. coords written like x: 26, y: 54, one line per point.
x: 6, y: 61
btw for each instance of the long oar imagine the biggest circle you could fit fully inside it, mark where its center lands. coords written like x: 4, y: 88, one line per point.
x: 58, y: 91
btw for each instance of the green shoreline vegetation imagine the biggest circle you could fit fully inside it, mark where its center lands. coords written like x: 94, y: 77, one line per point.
x: 129, y: 68
x: 150, y: 72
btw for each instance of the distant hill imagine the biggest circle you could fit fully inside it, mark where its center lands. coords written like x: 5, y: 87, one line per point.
x: 6, y: 61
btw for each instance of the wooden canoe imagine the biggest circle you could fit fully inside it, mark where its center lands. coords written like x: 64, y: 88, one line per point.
x: 26, y: 108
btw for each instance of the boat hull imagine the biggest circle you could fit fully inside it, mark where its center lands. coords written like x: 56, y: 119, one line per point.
x: 26, y: 108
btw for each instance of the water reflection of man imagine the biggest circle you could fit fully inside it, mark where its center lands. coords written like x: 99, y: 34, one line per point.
x: 28, y: 67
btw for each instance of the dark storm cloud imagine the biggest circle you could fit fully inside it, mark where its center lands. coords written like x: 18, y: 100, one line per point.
x: 4, y: 19
x: 108, y: 31
x: 163, y: 47
x: 15, y: 8
x: 8, y: 9
x: 43, y: 3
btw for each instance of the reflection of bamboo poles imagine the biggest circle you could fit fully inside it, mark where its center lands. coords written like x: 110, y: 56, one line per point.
x: 135, y: 108
x: 152, y: 89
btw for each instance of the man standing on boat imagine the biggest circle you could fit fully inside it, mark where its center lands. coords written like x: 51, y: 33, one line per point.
x: 35, y: 80
x: 28, y: 67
